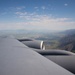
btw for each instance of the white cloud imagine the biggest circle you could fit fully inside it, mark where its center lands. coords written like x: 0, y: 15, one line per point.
x: 21, y: 13
x: 20, y: 8
x: 35, y: 7
x: 41, y: 23
x: 43, y: 7
x: 52, y: 24
x: 66, y: 4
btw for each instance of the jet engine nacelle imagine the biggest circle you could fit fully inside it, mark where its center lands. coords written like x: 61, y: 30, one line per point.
x: 37, y: 44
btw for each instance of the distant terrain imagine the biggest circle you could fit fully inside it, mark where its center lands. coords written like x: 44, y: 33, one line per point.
x: 64, y: 40
x: 68, y: 41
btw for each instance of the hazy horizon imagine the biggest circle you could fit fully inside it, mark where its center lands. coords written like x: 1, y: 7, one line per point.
x: 57, y: 15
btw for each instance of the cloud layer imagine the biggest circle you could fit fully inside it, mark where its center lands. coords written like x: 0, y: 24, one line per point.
x: 35, y: 21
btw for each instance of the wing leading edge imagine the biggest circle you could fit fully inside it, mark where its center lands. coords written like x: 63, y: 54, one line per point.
x: 18, y: 59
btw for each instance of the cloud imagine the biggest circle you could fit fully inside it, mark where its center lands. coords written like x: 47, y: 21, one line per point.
x: 36, y: 21
x: 41, y: 22
x: 21, y: 13
x: 43, y: 7
x: 35, y: 7
x: 65, y: 4
x: 52, y: 23
x: 27, y: 16
x: 20, y: 8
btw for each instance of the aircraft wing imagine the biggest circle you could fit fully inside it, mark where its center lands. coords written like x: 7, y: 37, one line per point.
x: 18, y: 59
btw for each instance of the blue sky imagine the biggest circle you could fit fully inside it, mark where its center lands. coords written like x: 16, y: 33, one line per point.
x: 37, y: 14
